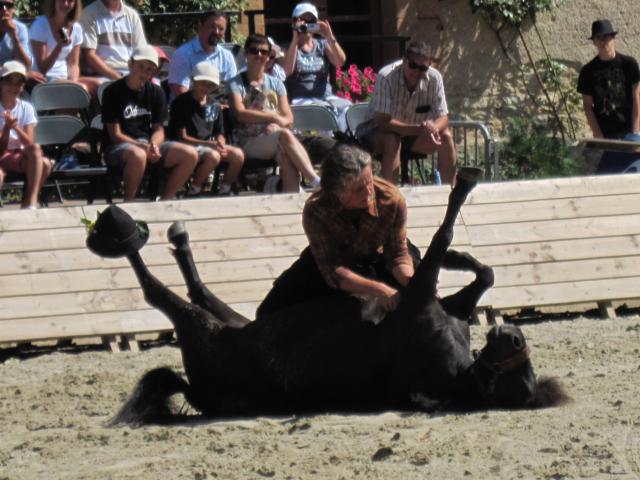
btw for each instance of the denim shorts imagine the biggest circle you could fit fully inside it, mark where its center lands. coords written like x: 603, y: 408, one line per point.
x: 114, y: 154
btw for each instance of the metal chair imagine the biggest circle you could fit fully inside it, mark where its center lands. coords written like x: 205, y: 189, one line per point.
x: 101, y: 88
x: 355, y: 115
x: 56, y: 134
x: 307, y: 118
x: 53, y: 97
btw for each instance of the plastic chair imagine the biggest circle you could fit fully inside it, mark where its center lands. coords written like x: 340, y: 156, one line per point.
x: 313, y: 117
x: 101, y: 88
x: 53, y: 97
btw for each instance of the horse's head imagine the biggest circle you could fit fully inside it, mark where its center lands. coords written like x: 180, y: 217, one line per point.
x: 504, y: 376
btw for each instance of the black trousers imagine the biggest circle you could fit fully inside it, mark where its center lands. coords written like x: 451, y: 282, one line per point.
x: 302, y: 281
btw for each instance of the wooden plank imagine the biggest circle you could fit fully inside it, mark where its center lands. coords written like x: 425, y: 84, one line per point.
x: 606, y: 309
x: 558, y: 250
x: 564, y: 293
x: 131, y: 342
x: 19, y: 242
x: 547, y: 230
x: 577, y: 207
x: 41, y: 219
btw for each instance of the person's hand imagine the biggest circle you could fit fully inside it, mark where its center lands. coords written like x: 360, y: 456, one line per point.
x: 10, y: 122
x: 8, y: 25
x: 153, y: 153
x: 65, y: 40
x: 36, y: 77
x: 388, y: 297
x: 431, y: 131
x: 272, y: 127
x: 325, y: 29
x: 294, y: 28
x: 281, y: 121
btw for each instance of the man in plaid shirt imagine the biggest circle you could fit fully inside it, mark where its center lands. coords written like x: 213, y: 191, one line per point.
x: 356, y: 227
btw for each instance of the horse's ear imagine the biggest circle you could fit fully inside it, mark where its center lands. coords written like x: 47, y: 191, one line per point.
x: 549, y: 393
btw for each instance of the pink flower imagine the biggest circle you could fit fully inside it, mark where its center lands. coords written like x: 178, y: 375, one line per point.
x: 353, y: 69
x: 339, y: 73
x: 368, y: 71
x: 370, y: 88
x: 347, y: 96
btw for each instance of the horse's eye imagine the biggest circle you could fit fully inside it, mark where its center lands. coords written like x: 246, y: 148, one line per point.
x: 517, y: 342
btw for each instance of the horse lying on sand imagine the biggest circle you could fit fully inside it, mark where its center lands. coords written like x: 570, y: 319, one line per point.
x: 320, y: 355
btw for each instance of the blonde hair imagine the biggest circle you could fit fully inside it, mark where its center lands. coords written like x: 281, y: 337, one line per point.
x: 72, y: 17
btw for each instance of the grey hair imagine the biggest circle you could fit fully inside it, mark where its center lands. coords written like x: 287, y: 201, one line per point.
x: 342, y: 166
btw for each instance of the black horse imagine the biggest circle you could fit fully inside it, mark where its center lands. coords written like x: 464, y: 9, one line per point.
x: 321, y: 356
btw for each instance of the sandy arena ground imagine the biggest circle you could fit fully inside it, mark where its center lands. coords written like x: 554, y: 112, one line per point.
x: 53, y: 409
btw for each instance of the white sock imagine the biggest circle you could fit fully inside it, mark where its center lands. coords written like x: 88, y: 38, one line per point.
x: 193, y: 189
x: 224, y: 188
x: 315, y: 183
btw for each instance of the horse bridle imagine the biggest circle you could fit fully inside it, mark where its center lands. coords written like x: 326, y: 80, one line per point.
x: 487, y: 389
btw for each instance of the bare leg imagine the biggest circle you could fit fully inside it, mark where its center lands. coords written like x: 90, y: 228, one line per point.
x: 390, y: 157
x: 181, y: 159
x: 235, y: 161
x: 446, y: 151
x: 297, y: 155
x: 198, y: 292
x: 32, y: 166
x: 290, y: 175
x: 209, y: 161
x: 135, y: 161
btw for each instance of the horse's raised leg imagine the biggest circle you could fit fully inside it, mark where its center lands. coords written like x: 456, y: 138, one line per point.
x: 462, y: 303
x: 422, y: 287
x: 195, y: 327
x: 197, y: 290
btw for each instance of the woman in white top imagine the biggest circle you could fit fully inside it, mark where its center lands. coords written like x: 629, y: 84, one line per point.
x: 56, y: 38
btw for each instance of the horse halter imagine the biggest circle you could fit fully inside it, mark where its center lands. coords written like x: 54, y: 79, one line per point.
x: 487, y: 389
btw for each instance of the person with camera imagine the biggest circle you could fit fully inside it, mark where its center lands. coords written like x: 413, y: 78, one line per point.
x: 56, y: 38
x: 308, y: 60
x: 408, y: 110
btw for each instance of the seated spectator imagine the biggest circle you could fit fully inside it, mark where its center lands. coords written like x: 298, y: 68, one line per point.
x: 308, y: 60
x: 202, y: 48
x: 408, y: 110
x: 18, y: 153
x: 260, y: 106
x: 56, y: 37
x: 133, y: 112
x: 112, y: 30
x: 195, y: 121
x: 274, y: 68
x: 14, y: 41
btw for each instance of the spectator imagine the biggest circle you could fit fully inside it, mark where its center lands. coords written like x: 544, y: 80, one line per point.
x: 408, y: 110
x: 308, y: 61
x: 14, y: 41
x: 112, y: 30
x: 133, y: 112
x: 18, y: 152
x: 204, y: 47
x: 56, y: 37
x: 609, y: 87
x: 260, y: 106
x: 273, y: 66
x: 196, y: 122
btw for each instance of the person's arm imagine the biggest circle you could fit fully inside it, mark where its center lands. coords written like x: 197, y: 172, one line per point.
x: 286, y: 115
x: 635, y: 116
x: 395, y: 249
x: 73, y: 64
x: 290, y: 56
x: 249, y: 115
x: 157, y: 134
x: 334, y: 51
x: 351, y: 282
x: 43, y: 61
x: 25, y: 134
x: 184, y: 137
x: 20, y: 39
x: 9, y: 123
x: 98, y: 65
x: 587, y: 105
x: 116, y: 135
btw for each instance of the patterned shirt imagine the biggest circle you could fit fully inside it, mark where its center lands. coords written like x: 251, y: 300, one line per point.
x: 345, y: 238
x: 392, y: 97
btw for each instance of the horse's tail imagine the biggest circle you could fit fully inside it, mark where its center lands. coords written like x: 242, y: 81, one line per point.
x: 149, y: 401
x: 549, y: 393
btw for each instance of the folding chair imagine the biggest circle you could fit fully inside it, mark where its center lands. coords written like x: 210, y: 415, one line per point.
x: 53, y: 97
x: 57, y: 133
x: 355, y: 115
x: 313, y: 118
x: 101, y: 88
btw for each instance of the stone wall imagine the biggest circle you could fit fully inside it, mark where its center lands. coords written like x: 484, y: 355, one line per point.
x: 481, y: 82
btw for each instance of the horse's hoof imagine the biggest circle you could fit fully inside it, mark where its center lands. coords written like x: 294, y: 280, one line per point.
x: 177, y: 234
x: 467, y: 179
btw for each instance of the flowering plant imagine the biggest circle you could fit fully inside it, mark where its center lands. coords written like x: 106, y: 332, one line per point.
x: 355, y: 84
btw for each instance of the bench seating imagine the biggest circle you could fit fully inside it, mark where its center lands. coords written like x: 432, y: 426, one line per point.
x: 553, y: 242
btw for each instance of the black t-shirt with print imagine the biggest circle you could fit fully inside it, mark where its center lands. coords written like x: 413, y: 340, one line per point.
x: 610, y: 84
x: 200, y: 121
x: 135, y: 111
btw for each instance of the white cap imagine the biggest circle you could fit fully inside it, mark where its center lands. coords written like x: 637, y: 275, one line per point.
x: 207, y: 72
x: 145, y: 52
x: 303, y: 8
x: 13, y: 66
x: 275, y: 48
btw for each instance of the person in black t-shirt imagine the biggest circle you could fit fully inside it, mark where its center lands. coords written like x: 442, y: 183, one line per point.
x: 133, y: 111
x: 196, y: 122
x: 609, y: 87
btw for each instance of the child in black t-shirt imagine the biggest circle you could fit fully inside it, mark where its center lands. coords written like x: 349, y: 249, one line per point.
x: 196, y: 122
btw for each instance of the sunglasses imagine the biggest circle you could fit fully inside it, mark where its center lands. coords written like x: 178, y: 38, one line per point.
x: 414, y: 66
x: 259, y: 51
x: 7, y: 5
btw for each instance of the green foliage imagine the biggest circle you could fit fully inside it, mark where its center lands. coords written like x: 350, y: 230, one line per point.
x: 512, y: 12
x: 530, y: 152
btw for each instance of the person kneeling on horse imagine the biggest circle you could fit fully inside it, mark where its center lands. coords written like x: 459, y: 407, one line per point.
x: 356, y: 228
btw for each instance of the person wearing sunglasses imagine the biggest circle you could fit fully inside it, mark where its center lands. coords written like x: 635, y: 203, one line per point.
x: 308, y: 61
x: 260, y: 107
x: 609, y: 87
x: 205, y: 46
x: 18, y: 151
x: 408, y: 110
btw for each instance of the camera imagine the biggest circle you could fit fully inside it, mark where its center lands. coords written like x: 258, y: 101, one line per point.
x: 63, y: 35
x: 309, y: 28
